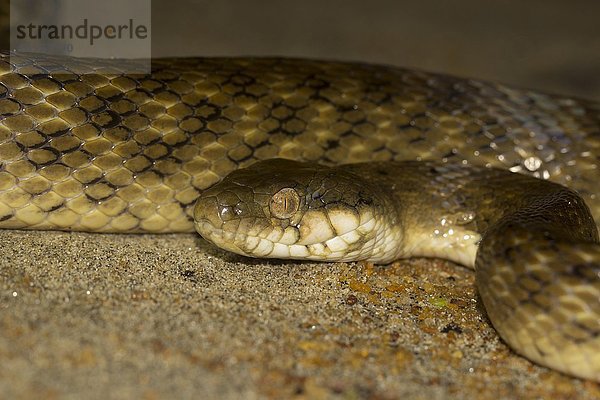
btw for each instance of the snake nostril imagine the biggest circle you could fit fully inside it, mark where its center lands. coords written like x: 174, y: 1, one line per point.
x: 227, y: 213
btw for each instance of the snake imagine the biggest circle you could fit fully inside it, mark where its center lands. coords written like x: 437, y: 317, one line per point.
x: 324, y: 161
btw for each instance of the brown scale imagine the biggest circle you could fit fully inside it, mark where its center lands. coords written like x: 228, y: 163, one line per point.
x: 111, y: 152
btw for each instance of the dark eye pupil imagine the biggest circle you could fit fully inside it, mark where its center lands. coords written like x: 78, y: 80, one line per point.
x: 284, y: 203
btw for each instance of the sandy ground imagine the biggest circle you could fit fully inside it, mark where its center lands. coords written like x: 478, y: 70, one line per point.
x: 125, y: 316
x: 152, y: 317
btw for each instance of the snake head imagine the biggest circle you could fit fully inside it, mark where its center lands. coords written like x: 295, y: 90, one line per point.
x: 286, y: 209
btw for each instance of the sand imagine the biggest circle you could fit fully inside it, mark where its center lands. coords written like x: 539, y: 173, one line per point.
x: 148, y: 316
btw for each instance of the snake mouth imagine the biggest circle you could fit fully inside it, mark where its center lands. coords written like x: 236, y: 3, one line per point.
x: 262, y: 247
x: 265, y: 247
x: 222, y: 238
x: 246, y: 244
x: 243, y: 243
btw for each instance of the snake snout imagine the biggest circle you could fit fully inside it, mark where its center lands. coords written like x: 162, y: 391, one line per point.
x: 218, y: 221
x: 207, y: 211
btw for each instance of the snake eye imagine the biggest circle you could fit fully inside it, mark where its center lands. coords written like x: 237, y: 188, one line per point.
x: 284, y: 203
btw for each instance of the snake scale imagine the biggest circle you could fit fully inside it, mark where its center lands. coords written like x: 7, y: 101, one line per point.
x: 470, y: 171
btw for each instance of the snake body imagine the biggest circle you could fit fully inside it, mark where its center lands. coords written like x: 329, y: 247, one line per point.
x: 437, y: 167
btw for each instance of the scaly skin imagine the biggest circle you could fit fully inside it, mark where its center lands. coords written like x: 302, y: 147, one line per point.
x: 110, y: 152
